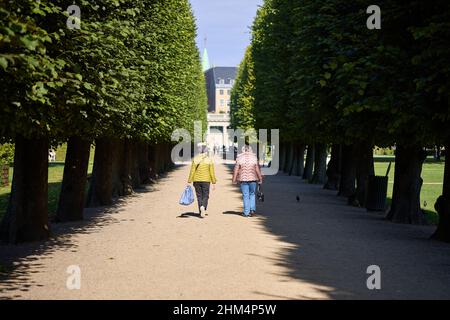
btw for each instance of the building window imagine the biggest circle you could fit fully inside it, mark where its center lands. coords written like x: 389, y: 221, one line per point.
x: 232, y: 81
x: 229, y: 92
x: 222, y: 102
x: 228, y: 103
x: 216, y: 128
x: 221, y: 92
x: 221, y: 81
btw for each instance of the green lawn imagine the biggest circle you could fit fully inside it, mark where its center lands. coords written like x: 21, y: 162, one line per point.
x: 432, y: 175
x: 4, y: 192
x: 55, y: 174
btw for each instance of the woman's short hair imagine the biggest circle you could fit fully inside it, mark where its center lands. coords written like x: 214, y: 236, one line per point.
x: 202, y: 147
x: 247, y: 148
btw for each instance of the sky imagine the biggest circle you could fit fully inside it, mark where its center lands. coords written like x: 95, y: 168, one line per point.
x: 226, y: 25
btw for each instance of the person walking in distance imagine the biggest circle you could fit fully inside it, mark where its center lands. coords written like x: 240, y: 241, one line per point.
x: 202, y: 175
x: 248, y: 174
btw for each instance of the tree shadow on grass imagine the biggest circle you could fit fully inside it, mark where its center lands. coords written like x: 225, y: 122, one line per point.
x: 54, y: 189
x: 4, y: 198
x: 56, y: 165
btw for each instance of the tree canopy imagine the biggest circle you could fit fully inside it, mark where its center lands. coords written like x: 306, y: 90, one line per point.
x: 242, y: 95
x: 320, y: 74
x: 132, y: 70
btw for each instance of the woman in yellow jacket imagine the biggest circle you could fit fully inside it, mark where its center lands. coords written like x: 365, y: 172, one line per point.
x: 202, y: 175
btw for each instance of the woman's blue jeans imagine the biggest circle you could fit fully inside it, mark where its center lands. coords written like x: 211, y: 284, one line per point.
x: 248, y: 190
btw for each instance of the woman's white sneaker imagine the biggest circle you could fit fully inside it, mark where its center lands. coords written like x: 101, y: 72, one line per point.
x: 202, y: 211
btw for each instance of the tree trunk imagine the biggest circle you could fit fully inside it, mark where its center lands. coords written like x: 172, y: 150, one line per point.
x: 170, y: 163
x: 334, y: 168
x: 282, y: 156
x: 156, y: 160
x: 159, y: 159
x: 101, y: 186
x: 295, y: 162
x: 289, y: 158
x: 442, y: 205
x: 73, y: 189
x: 405, y: 206
x: 118, y: 155
x: 152, y: 162
x: 364, y: 168
x: 165, y: 157
x: 309, y: 163
x: 144, y: 163
x: 135, y: 172
x: 126, y: 168
x: 348, y: 172
x: 299, y: 165
x: 26, y: 218
x: 320, y: 163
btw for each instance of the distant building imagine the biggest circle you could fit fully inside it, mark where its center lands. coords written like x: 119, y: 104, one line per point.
x: 219, y: 82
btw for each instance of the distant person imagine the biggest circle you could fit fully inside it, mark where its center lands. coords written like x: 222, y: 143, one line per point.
x: 202, y: 175
x: 51, y: 155
x: 217, y: 147
x: 248, y: 174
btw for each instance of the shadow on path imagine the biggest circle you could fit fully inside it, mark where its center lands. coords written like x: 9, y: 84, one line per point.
x: 19, y: 262
x: 190, y: 215
x: 237, y: 213
x: 332, y: 245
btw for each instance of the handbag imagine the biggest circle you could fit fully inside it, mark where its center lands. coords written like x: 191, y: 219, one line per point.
x: 259, y: 193
x: 187, y: 197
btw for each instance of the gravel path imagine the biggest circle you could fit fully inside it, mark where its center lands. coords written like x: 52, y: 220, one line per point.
x: 149, y: 247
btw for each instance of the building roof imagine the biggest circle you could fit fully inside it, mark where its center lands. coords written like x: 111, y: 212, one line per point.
x: 213, y: 76
x: 225, y: 73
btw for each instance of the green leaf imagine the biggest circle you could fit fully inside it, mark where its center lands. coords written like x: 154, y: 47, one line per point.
x: 3, y: 63
x: 29, y: 43
x: 88, y: 86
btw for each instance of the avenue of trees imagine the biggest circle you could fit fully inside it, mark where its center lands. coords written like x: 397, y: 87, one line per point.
x: 316, y: 72
x: 123, y: 81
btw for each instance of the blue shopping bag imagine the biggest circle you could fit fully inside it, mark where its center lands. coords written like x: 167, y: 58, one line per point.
x: 187, y: 197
